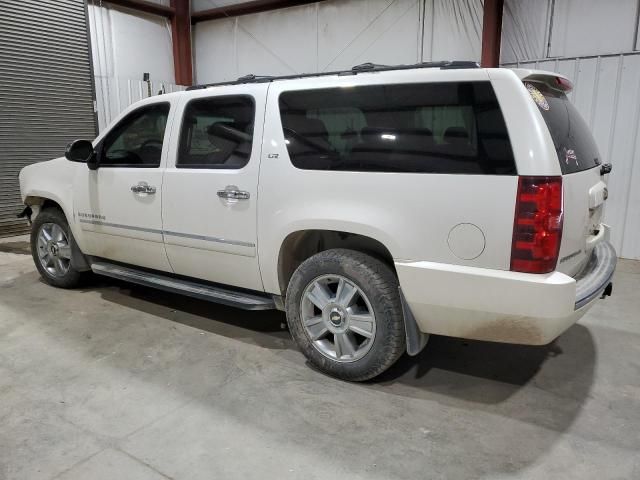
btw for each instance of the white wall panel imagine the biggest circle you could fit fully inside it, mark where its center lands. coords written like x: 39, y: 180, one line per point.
x: 524, y: 29
x: 351, y: 32
x: 455, y: 30
x: 637, y: 45
x: 214, y: 51
x: 142, y: 43
x: 279, y: 42
x: 125, y: 44
x: 625, y: 153
x: 592, y: 27
x: 329, y: 35
x: 607, y: 93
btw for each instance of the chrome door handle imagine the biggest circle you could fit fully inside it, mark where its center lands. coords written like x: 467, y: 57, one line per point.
x: 232, y: 194
x: 143, y: 187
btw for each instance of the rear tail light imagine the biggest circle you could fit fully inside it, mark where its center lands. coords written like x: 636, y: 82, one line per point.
x: 564, y: 84
x: 537, y: 227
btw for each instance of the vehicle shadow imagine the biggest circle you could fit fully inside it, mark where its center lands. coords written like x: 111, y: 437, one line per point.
x: 456, y: 368
x: 511, y: 365
x: 542, y: 385
x: 263, y: 328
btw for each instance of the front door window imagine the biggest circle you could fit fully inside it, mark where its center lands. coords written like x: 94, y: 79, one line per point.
x: 137, y: 140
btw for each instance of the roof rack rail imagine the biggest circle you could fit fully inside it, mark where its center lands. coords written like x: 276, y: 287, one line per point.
x: 362, y: 68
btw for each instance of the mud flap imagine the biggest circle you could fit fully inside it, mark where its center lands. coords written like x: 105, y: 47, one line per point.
x: 79, y: 261
x: 416, y: 340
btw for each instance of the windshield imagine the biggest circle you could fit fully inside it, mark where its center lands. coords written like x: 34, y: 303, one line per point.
x: 573, y: 141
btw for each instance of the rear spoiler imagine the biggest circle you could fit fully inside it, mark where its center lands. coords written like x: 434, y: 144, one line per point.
x: 554, y: 80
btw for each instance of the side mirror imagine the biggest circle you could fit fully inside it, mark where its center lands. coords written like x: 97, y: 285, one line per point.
x: 82, y: 151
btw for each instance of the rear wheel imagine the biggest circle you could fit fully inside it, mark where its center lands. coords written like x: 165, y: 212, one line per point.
x: 51, y: 249
x: 344, y: 312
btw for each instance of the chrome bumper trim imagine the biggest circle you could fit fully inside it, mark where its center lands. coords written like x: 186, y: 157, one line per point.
x: 596, y: 275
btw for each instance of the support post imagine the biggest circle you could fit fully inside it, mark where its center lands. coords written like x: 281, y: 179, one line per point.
x: 491, y: 33
x: 181, y: 34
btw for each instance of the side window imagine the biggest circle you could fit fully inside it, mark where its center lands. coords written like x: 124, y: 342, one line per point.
x: 137, y: 140
x: 454, y: 127
x: 217, y: 132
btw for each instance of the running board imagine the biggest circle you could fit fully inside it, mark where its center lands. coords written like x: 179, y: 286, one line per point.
x: 246, y: 301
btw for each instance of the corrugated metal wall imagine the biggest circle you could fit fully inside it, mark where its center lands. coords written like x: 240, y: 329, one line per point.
x: 607, y: 93
x: 46, y: 91
x: 594, y: 43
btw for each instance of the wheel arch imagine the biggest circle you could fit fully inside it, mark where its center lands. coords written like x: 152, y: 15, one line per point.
x: 299, y: 245
x: 78, y: 259
x: 39, y: 201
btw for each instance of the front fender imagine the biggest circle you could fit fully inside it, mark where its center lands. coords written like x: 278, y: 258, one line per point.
x: 51, y: 180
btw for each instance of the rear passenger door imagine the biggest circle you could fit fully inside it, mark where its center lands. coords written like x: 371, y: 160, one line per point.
x: 210, y: 186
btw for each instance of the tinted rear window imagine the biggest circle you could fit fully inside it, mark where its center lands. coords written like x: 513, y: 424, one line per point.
x: 421, y: 128
x: 573, y: 141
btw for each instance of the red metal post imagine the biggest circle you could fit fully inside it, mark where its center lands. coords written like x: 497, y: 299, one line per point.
x: 181, y: 34
x: 491, y: 32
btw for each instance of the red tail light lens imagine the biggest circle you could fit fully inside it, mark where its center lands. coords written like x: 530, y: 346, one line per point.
x: 564, y: 84
x: 537, y: 228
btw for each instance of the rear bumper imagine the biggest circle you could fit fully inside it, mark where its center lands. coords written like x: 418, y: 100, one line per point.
x: 597, y: 274
x: 502, y: 306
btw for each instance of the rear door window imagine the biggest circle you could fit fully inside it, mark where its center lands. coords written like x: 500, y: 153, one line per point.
x: 419, y: 128
x: 217, y: 133
x: 572, y: 139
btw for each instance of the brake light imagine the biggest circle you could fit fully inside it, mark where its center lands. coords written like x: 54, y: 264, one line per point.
x: 537, y: 227
x: 564, y: 84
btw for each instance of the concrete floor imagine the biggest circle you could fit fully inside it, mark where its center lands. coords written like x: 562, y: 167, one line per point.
x: 118, y: 381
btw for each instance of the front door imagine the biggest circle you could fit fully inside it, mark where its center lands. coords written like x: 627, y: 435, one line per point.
x: 210, y: 186
x: 118, y: 206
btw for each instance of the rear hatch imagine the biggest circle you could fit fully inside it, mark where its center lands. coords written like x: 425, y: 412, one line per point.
x: 584, y: 187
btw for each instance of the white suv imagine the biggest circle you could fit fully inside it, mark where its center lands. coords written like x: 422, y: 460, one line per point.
x: 375, y: 205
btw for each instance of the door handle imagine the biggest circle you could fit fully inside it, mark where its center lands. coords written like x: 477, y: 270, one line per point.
x: 233, y: 194
x: 143, y: 188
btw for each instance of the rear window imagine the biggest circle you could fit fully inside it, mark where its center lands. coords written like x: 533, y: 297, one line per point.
x: 420, y: 128
x: 573, y: 141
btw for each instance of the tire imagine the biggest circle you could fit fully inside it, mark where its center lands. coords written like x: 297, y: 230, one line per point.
x: 59, y: 273
x: 354, y: 339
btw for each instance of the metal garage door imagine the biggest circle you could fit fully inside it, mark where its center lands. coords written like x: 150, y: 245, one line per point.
x: 46, y: 90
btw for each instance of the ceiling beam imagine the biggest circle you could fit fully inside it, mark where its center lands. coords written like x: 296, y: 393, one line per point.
x: 143, y: 6
x: 491, y: 33
x: 245, y: 8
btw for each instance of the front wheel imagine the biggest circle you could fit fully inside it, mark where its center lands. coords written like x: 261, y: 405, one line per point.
x: 51, y: 249
x: 344, y: 312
